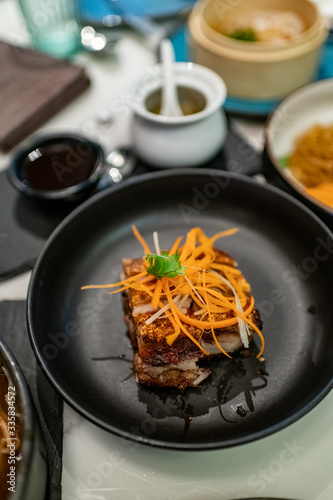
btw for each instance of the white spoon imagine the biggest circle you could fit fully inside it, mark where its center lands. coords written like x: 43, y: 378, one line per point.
x: 170, y: 104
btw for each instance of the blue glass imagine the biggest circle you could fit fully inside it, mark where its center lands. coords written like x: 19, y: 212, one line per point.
x: 52, y: 25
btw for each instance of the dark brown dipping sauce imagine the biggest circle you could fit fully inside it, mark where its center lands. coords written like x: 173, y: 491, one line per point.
x: 191, y: 101
x: 59, y: 166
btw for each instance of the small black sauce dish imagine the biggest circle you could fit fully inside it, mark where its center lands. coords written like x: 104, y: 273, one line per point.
x: 58, y: 167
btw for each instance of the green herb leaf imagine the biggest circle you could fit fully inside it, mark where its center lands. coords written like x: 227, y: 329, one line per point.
x: 165, y: 265
x: 284, y: 161
x: 246, y: 35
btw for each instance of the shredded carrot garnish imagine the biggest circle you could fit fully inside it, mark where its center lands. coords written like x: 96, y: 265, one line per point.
x: 175, y: 245
x: 140, y: 239
x: 112, y: 285
x: 219, y: 294
x: 180, y: 324
x: 157, y: 294
x: 210, y: 318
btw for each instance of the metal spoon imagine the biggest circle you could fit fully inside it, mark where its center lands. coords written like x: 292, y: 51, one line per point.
x: 95, y: 42
x: 128, y: 16
x: 119, y: 164
x: 134, y: 17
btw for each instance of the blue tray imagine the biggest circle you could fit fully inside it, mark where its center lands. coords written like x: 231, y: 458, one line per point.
x: 96, y: 10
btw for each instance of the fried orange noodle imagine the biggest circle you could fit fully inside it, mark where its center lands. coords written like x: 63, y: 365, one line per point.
x: 213, y: 286
x: 311, y: 161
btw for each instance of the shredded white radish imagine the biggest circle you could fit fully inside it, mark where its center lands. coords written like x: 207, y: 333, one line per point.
x: 201, y: 377
x: 161, y: 311
x: 201, y: 311
x: 157, y: 314
x: 185, y: 297
x: 194, y: 290
x: 243, y: 327
x: 142, y: 309
x: 182, y: 310
x: 156, y: 243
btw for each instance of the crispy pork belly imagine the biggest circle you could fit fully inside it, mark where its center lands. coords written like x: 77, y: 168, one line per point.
x: 156, y: 362
x: 181, y: 375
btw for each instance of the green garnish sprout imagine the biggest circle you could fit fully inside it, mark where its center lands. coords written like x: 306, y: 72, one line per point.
x: 246, y: 35
x: 284, y: 161
x: 165, y: 265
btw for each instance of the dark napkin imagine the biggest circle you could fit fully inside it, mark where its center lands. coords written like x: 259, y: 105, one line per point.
x: 33, y: 87
x: 26, y: 224
x: 47, y: 402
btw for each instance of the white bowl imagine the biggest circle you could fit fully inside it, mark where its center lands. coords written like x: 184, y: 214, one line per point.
x: 306, y: 107
x: 179, y: 141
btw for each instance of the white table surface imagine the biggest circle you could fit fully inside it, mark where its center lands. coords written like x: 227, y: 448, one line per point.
x: 296, y: 462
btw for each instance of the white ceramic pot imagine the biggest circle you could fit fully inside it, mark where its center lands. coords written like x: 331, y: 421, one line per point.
x: 180, y: 141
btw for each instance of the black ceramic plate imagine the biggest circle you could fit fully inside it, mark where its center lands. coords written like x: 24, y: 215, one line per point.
x: 80, y: 339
